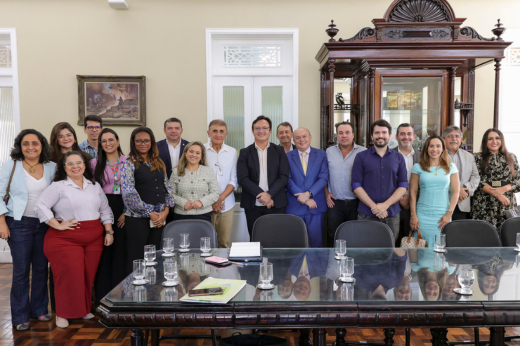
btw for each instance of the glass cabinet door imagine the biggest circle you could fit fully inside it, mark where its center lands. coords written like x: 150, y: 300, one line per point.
x: 413, y: 100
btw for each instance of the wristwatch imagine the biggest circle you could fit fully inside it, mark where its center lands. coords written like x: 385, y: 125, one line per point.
x: 109, y: 231
x: 451, y: 211
x: 310, y: 194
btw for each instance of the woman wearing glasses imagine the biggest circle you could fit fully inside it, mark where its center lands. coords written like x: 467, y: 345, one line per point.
x: 76, y: 209
x: 146, y: 195
x: 499, y: 179
x: 107, y: 173
x: 63, y: 140
x: 26, y: 176
x: 194, y: 185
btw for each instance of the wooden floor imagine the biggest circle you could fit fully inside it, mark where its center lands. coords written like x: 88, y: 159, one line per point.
x: 91, y: 332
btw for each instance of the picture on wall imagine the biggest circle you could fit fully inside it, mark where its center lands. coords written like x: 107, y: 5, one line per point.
x: 118, y: 100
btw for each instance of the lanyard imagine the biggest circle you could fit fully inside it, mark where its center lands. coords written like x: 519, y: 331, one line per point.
x: 115, y: 170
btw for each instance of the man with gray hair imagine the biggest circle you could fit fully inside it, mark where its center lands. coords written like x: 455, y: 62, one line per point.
x: 468, y: 173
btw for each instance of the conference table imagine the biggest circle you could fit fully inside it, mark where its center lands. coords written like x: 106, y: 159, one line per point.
x: 393, y: 288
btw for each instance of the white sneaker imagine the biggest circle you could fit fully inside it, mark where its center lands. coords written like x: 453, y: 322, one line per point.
x: 62, y: 322
x: 88, y: 316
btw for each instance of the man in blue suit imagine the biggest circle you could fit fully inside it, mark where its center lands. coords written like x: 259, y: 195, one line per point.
x: 309, y: 174
x: 171, y: 148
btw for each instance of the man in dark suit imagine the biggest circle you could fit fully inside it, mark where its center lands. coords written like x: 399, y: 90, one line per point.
x: 263, y: 172
x: 405, y: 137
x: 309, y: 174
x: 171, y: 148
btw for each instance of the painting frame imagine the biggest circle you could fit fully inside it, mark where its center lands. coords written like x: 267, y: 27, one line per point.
x: 123, y: 114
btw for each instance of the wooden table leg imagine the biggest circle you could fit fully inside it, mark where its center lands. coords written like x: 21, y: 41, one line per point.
x: 389, y: 336
x: 496, y: 336
x: 340, y: 337
x: 439, y: 336
x: 136, y: 339
x: 154, y: 336
x: 319, y: 336
x: 305, y: 337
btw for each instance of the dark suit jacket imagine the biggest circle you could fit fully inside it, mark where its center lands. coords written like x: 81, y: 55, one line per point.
x: 316, y: 179
x: 248, y: 175
x: 164, y: 154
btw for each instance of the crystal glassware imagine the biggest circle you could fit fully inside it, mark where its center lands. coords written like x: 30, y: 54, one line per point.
x: 140, y: 294
x: 149, y: 255
x: 168, y: 247
x: 139, y: 272
x: 151, y: 275
x: 466, y: 279
x: 440, y: 242
x: 517, y: 242
x: 340, y: 249
x: 346, y: 269
x: 184, y: 242
x: 266, y: 275
x: 170, y: 273
x: 205, y: 246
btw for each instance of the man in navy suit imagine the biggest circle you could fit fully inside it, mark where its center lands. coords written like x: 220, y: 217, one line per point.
x: 308, y: 175
x: 171, y: 148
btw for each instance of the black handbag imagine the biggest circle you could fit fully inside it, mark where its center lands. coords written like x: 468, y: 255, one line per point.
x: 239, y: 339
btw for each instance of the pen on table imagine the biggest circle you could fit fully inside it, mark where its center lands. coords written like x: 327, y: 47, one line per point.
x: 237, y: 263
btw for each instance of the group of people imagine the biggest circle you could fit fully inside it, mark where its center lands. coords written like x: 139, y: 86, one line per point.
x: 89, y: 210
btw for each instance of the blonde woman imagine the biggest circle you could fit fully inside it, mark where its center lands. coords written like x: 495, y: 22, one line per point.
x: 194, y: 185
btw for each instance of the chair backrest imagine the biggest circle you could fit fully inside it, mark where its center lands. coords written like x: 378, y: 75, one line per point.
x: 365, y: 233
x: 508, y: 231
x: 195, y: 228
x: 471, y: 233
x: 280, y: 231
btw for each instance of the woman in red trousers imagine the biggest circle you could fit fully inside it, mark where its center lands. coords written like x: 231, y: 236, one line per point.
x: 76, y: 209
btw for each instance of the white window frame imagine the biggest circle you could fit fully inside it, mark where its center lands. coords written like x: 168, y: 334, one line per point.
x: 212, y: 34
x: 13, y: 74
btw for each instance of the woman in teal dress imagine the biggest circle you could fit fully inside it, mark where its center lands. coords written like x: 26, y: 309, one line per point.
x: 438, y: 180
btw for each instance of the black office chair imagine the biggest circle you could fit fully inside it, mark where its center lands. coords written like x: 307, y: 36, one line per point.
x: 280, y: 231
x: 367, y: 234
x: 508, y: 231
x: 196, y: 229
x: 471, y: 233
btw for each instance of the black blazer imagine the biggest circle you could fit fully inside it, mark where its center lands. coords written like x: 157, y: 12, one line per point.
x: 164, y: 154
x: 248, y: 175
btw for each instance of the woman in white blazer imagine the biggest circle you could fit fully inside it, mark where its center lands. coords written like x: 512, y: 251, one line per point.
x: 31, y: 173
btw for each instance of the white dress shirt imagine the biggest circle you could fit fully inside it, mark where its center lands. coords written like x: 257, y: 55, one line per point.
x: 64, y: 200
x: 262, y: 159
x: 174, y: 153
x: 408, y: 160
x: 224, y: 165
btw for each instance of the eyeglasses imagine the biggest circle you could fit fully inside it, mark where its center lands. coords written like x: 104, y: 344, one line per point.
x: 454, y: 136
x: 77, y: 163
x: 93, y: 128
x: 108, y: 140
x: 265, y: 128
x: 141, y: 141
x: 68, y: 135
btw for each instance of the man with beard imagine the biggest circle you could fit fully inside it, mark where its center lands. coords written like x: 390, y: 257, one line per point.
x: 468, y: 172
x: 379, y: 179
x: 405, y: 137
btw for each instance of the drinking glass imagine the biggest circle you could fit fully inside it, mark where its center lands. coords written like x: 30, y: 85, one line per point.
x: 517, y: 242
x: 439, y: 262
x: 168, y: 247
x: 440, y: 242
x: 341, y: 248
x: 346, y: 269
x: 184, y: 242
x: 149, y: 255
x: 139, y: 272
x: 185, y: 261
x: 266, y: 296
x: 205, y: 246
x: 347, y: 292
x: 266, y: 275
x: 170, y: 273
x: 171, y: 295
x: 466, y: 279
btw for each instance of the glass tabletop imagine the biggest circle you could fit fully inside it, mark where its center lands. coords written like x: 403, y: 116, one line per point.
x: 313, y: 276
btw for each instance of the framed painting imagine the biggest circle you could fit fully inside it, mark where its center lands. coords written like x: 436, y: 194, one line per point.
x: 118, y: 100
